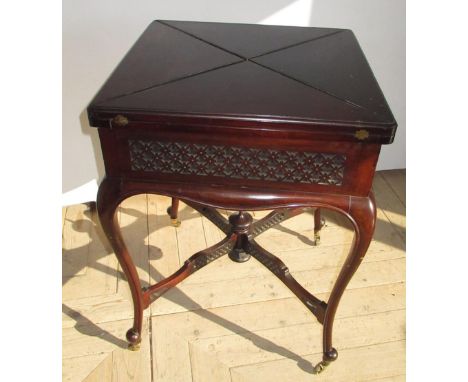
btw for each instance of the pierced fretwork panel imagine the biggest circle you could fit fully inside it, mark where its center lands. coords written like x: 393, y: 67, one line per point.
x: 237, y: 162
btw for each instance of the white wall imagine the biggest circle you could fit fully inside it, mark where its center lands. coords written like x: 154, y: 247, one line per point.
x: 96, y: 35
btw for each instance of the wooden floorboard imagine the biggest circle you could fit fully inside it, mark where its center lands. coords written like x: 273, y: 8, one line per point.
x: 396, y: 180
x: 390, y: 204
x: 230, y: 321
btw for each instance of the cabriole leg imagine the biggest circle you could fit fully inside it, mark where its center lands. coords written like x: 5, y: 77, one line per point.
x: 173, y: 211
x: 362, y: 213
x: 319, y: 222
x: 108, y: 199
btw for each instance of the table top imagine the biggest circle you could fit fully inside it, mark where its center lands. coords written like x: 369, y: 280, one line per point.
x: 233, y: 73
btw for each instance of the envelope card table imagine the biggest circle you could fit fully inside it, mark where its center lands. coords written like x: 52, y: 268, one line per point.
x: 243, y: 117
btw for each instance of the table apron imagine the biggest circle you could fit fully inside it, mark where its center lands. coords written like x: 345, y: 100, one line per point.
x: 269, y: 164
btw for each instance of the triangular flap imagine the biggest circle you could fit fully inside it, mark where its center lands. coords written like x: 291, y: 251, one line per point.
x: 162, y: 54
x: 336, y: 65
x: 242, y: 90
x: 249, y: 40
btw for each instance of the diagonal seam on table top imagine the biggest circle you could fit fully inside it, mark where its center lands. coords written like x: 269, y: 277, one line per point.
x: 251, y: 59
x: 305, y: 82
x: 330, y: 95
x: 243, y: 59
x: 343, y: 100
x: 200, y: 39
x: 240, y: 56
x: 167, y: 82
x: 311, y: 86
x: 296, y: 44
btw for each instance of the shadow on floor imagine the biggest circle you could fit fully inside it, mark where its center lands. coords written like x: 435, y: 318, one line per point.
x: 140, y: 225
x: 139, y: 231
x: 88, y: 328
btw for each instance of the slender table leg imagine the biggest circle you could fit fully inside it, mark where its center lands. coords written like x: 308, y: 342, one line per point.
x: 240, y: 231
x: 319, y: 222
x: 108, y: 199
x: 111, y: 193
x: 362, y: 213
x: 173, y: 211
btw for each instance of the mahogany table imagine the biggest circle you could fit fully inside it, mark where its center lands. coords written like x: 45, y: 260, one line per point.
x: 243, y: 117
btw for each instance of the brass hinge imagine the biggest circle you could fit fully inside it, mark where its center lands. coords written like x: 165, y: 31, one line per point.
x: 119, y: 120
x: 361, y: 134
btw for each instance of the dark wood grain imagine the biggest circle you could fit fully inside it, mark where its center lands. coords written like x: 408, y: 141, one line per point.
x: 229, y: 74
x: 250, y: 40
x: 153, y: 61
x: 243, y: 117
x: 335, y: 65
x: 359, y: 166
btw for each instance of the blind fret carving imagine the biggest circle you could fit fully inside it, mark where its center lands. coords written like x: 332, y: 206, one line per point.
x: 236, y: 162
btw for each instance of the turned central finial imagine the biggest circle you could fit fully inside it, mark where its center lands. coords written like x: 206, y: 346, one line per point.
x: 240, y: 225
x: 241, y: 222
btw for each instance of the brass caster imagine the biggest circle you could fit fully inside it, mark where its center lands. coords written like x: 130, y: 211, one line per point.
x: 320, y: 367
x: 134, y: 347
x: 175, y: 223
x: 316, y: 238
